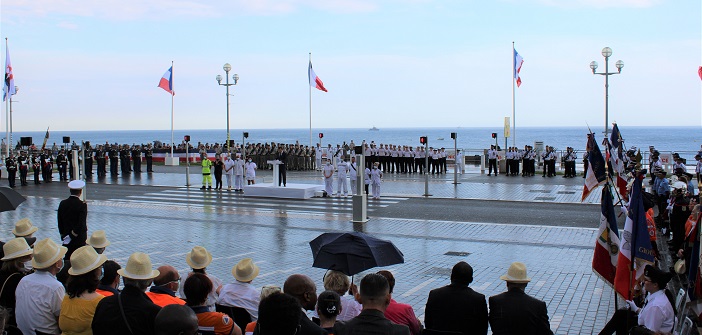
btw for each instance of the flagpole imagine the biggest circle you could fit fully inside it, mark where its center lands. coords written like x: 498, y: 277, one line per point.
x: 310, y: 88
x: 172, y: 142
x: 7, y: 107
x: 514, y: 121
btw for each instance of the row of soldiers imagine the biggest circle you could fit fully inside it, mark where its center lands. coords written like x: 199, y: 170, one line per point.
x: 40, y: 161
x: 527, y: 156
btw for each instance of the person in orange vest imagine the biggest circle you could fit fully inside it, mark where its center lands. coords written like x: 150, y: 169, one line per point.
x: 165, y: 286
x: 110, y: 279
x: 206, y: 175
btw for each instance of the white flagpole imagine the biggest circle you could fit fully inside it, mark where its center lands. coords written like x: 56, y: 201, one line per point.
x: 310, y: 87
x: 172, y: 142
x: 514, y: 120
x: 7, y: 107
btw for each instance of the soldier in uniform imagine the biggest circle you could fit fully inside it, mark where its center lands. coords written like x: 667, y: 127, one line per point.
x: 88, y: 163
x: 61, y: 161
x: 114, y: 155
x: 136, y: 158
x: 100, y: 159
x: 124, y: 160
x: 11, y: 166
x: 23, y: 162
x: 36, y: 167
x: 149, y: 156
x: 46, y: 165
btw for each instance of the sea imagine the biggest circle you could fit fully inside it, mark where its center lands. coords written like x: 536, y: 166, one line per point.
x: 684, y: 140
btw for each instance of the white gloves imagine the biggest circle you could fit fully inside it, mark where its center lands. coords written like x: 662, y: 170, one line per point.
x: 632, y: 306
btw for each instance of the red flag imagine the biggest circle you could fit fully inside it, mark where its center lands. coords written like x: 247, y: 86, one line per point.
x: 700, y: 72
x: 314, y: 80
x: 604, y: 260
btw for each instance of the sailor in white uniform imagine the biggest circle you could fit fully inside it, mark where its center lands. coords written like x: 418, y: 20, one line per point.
x: 341, y: 185
x: 328, y: 180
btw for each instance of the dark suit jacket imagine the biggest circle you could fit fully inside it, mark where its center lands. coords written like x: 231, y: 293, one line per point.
x: 72, y: 216
x: 282, y: 157
x: 457, y: 308
x: 514, y: 312
x: 307, y: 327
x: 139, y: 311
x: 370, y: 322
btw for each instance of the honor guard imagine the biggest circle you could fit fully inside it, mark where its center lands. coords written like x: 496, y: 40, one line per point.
x: 23, y: 162
x: 124, y: 160
x: 100, y: 159
x: 149, y: 155
x: 11, y: 166
x: 114, y: 155
x: 62, y: 163
x: 136, y: 158
x: 88, y: 162
x: 46, y: 165
x: 36, y: 167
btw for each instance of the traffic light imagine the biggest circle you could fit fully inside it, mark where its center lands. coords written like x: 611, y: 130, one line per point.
x: 453, y: 136
x: 494, y: 135
x: 321, y: 135
x: 423, y: 140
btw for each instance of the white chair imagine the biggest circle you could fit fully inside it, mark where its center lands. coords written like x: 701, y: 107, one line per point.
x: 686, y: 327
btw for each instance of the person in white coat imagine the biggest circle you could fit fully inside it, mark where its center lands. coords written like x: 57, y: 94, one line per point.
x: 353, y: 172
x: 376, y: 178
x: 229, y: 171
x: 459, y: 162
x: 341, y: 172
x: 328, y: 180
x: 238, y: 174
x: 250, y: 168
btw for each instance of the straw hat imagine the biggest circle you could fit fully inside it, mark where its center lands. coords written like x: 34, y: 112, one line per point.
x: 679, y: 266
x: 245, y: 270
x: 47, y: 253
x: 517, y: 273
x: 84, y: 260
x: 98, y: 239
x: 138, y: 267
x: 198, y: 258
x: 24, y: 227
x: 16, y: 248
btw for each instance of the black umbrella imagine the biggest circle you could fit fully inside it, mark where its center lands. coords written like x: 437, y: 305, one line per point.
x: 352, y: 253
x: 10, y: 199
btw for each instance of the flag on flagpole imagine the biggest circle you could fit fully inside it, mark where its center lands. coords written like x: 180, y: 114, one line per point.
x: 596, y: 174
x: 617, y: 160
x: 604, y: 261
x: 518, y: 61
x: 46, y: 138
x: 166, y: 82
x: 699, y: 72
x: 635, y: 250
x: 315, y: 81
x: 8, y: 88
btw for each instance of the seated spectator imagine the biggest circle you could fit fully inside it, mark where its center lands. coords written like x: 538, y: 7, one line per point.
x: 24, y: 228
x: 265, y: 291
x: 339, y: 282
x: 110, y: 279
x: 456, y: 307
x: 305, y: 291
x: 17, y: 263
x: 78, y: 306
x: 165, y: 286
x: 401, y: 314
x: 375, y: 298
x: 176, y: 320
x: 39, y: 294
x: 279, y: 314
x: 328, y: 308
x: 99, y: 241
x: 130, y: 311
x: 197, y: 287
x: 241, y: 293
x: 199, y: 259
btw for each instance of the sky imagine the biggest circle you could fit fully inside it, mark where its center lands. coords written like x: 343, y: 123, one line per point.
x: 95, y: 65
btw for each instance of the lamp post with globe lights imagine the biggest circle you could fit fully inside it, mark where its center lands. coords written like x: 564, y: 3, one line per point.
x: 606, y: 52
x: 227, y: 67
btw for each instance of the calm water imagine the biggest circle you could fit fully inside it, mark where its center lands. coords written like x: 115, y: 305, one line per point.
x: 684, y: 139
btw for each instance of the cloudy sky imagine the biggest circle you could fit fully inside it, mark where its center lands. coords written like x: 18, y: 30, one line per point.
x: 90, y: 65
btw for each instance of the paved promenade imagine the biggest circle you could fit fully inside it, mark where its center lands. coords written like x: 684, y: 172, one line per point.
x: 156, y: 214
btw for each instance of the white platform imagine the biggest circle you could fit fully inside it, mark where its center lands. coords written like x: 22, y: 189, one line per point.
x: 172, y: 161
x: 292, y: 191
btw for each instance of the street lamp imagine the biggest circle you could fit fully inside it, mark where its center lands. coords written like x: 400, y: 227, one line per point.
x: 227, y: 67
x: 607, y: 52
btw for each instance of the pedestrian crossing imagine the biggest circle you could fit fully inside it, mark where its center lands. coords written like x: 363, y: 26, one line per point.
x: 199, y: 198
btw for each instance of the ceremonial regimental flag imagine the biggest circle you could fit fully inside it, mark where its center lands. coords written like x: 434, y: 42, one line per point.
x: 518, y: 61
x: 8, y: 87
x: 166, y: 82
x: 617, y: 160
x: 46, y: 138
x: 595, y: 169
x: 314, y: 80
x: 694, y: 290
x: 635, y: 250
x: 604, y: 261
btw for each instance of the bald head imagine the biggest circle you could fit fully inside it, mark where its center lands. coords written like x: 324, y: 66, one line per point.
x: 167, y: 274
x: 303, y: 289
x: 175, y: 320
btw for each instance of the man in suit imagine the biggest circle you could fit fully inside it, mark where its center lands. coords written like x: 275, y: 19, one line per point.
x: 515, y: 312
x: 375, y: 297
x: 281, y: 156
x: 456, y: 307
x: 305, y: 291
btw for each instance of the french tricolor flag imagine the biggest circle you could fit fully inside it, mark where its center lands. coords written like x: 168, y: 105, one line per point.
x: 166, y: 82
x: 315, y: 81
x: 518, y: 61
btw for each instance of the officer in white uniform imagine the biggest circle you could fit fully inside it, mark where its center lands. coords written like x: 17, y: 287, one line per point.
x: 229, y: 171
x: 459, y: 162
x: 353, y: 172
x: 250, y: 168
x: 492, y: 160
x: 318, y: 157
x: 238, y: 174
x: 328, y: 180
x: 341, y: 172
x: 376, y: 178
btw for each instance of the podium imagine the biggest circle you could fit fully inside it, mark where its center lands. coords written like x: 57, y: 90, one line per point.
x: 276, y: 171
